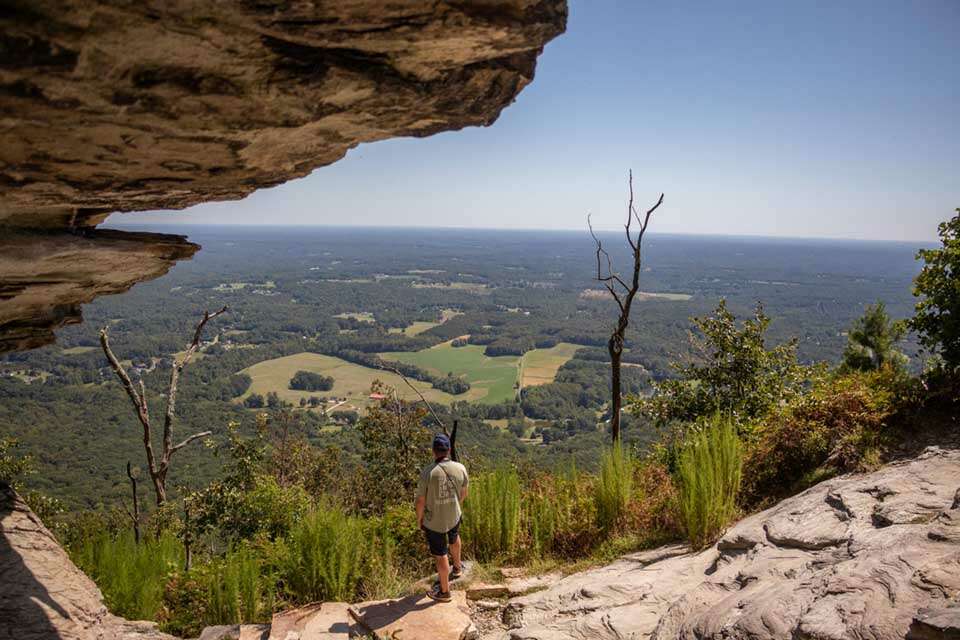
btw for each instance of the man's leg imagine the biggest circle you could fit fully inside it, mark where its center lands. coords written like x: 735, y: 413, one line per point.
x: 443, y: 572
x: 455, y: 553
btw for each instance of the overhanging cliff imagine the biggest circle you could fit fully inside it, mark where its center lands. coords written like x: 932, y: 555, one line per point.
x: 108, y: 105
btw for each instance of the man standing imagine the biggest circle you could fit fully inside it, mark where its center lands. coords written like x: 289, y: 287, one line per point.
x: 440, y: 492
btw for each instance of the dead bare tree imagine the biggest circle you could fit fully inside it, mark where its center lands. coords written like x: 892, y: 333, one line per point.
x: 623, y: 294
x: 158, y: 468
x: 135, y: 514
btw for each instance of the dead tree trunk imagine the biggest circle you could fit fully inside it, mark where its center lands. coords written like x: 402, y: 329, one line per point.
x: 623, y: 293
x: 158, y: 468
x: 135, y: 515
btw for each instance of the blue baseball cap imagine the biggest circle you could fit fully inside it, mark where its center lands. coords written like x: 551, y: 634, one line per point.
x: 441, y: 442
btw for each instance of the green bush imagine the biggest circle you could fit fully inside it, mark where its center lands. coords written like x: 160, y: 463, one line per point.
x: 839, y: 425
x: 708, y: 470
x: 557, y: 515
x: 131, y: 576
x: 324, y: 556
x: 614, y: 486
x: 492, y: 514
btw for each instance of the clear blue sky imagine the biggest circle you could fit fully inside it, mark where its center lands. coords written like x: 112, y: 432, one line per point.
x: 809, y: 118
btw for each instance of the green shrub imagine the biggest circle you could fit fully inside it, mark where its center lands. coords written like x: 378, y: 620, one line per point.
x: 614, y: 486
x: 557, y: 515
x: 131, y: 576
x: 492, y: 514
x: 324, y: 554
x: 709, y: 469
x: 837, y: 426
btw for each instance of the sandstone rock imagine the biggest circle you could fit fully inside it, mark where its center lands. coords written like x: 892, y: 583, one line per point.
x: 43, y: 594
x: 254, y: 631
x: 418, y: 617
x: 818, y: 565
x: 45, y: 276
x: 134, y: 106
x: 526, y: 584
x: 221, y: 632
x: 323, y: 621
x: 936, y: 624
x: 513, y: 572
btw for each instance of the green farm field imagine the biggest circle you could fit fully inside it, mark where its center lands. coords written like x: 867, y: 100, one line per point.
x: 540, y: 366
x: 351, y: 381
x: 491, y: 379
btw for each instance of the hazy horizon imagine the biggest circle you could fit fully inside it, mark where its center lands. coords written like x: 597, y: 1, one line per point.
x: 116, y: 223
x: 806, y: 121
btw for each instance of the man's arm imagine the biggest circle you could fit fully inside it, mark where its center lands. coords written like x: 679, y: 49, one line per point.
x: 463, y: 494
x: 420, y: 504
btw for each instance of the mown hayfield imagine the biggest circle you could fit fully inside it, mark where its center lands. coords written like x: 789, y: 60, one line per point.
x: 491, y: 379
x: 540, y: 366
x: 73, y: 351
x: 351, y: 380
x: 418, y: 327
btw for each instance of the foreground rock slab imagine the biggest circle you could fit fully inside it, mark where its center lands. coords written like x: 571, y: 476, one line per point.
x: 326, y: 621
x: 416, y: 617
x: 862, y: 556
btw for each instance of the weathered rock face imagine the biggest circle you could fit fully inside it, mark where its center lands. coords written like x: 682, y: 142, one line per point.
x: 108, y: 105
x: 873, y: 556
x: 125, y: 106
x: 42, y: 594
x: 47, y: 275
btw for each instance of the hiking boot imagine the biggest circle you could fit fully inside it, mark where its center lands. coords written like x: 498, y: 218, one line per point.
x: 439, y: 596
x: 456, y: 573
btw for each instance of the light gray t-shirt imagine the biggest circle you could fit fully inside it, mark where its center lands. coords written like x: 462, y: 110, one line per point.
x: 440, y: 483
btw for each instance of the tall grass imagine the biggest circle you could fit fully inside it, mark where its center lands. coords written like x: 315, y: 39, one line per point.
x: 325, y: 555
x: 709, y: 470
x: 240, y: 589
x: 491, y: 520
x: 614, y: 486
x: 557, y: 513
x: 131, y: 576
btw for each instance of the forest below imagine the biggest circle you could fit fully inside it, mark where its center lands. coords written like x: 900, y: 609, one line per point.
x: 464, y: 315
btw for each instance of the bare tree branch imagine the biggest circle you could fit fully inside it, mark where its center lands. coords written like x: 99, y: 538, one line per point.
x: 196, y: 436
x: 386, y: 367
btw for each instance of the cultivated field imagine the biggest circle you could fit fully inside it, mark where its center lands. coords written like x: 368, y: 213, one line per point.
x: 540, y: 366
x: 351, y: 381
x: 491, y: 379
x: 603, y: 294
x: 417, y: 327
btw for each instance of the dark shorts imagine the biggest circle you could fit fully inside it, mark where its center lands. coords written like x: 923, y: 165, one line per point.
x: 439, y: 542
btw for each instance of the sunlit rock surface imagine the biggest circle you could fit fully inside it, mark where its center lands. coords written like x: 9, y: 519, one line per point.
x: 868, y: 556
